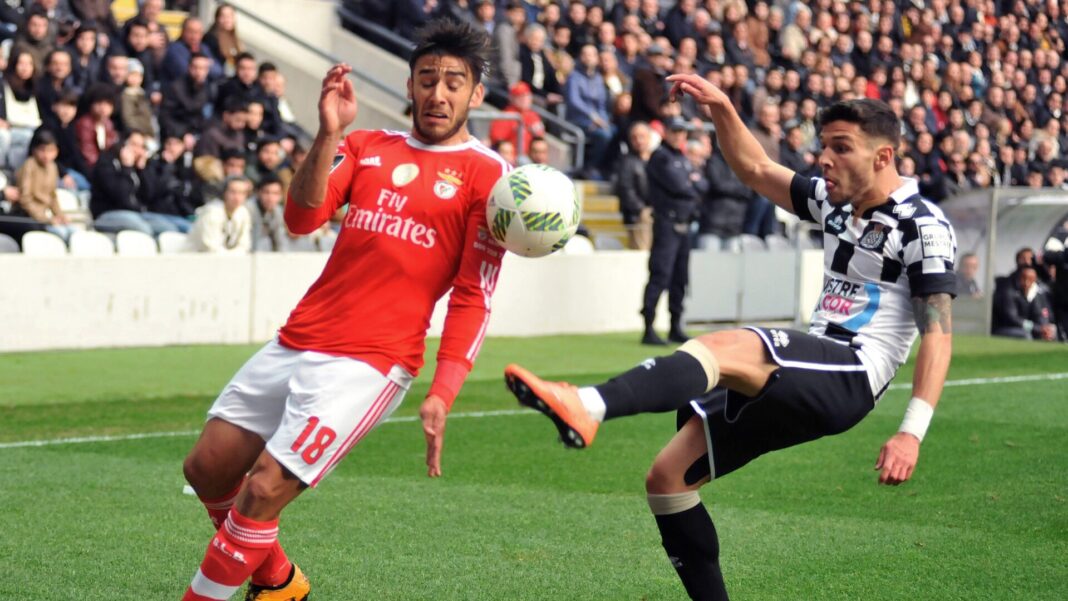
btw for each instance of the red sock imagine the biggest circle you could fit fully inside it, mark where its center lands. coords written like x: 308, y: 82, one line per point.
x: 238, y: 548
x: 219, y: 509
x: 276, y: 567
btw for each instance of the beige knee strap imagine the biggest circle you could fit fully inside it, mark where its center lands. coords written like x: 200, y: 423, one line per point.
x: 705, y: 357
x: 674, y: 503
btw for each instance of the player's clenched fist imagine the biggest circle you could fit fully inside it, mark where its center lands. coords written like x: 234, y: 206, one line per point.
x: 337, y: 101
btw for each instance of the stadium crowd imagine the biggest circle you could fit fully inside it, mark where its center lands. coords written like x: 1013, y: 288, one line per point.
x: 151, y: 134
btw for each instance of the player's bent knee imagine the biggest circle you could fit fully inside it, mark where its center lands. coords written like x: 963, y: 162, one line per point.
x: 665, y: 478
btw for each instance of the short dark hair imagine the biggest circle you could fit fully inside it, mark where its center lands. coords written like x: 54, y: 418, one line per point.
x: 266, y: 66
x: 42, y: 137
x: 243, y: 57
x: 874, y: 117
x: 267, y: 180
x: 444, y: 37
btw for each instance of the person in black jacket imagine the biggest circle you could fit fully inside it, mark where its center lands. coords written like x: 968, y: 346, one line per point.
x: 121, y: 189
x: 1020, y: 309
x: 632, y: 187
x: 73, y: 171
x: 723, y: 207
x: 173, y: 178
x: 185, y: 98
x: 675, y: 188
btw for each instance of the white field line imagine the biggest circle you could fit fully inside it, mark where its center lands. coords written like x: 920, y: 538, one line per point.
x: 479, y: 414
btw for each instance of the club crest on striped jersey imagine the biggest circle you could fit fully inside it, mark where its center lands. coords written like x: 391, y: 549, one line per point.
x: 448, y: 184
x: 874, y: 238
x: 405, y: 174
x: 835, y: 223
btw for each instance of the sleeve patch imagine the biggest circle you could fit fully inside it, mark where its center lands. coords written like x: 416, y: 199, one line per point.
x: 936, y: 242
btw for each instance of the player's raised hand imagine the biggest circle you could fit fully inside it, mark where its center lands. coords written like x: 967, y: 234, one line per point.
x: 702, y: 90
x: 433, y: 413
x: 337, y: 101
x: 897, y: 458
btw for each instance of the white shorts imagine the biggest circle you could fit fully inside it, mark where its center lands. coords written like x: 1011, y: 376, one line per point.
x: 310, y: 407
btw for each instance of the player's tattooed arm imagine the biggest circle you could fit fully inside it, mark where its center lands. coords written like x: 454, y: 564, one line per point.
x: 933, y: 313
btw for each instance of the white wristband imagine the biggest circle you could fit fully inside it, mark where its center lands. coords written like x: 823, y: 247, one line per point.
x: 917, y: 418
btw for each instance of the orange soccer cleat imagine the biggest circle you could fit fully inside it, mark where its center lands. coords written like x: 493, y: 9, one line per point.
x: 559, y: 400
x: 294, y: 589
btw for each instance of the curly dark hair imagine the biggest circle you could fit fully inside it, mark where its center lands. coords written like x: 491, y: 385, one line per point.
x: 874, y: 117
x: 445, y: 37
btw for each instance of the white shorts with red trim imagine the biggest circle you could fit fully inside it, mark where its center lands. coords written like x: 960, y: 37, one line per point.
x: 310, y: 407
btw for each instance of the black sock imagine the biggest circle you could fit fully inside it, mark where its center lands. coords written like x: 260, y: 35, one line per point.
x: 657, y: 385
x: 689, y: 537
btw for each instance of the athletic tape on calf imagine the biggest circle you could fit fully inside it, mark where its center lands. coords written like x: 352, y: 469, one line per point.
x: 673, y: 503
x: 705, y: 357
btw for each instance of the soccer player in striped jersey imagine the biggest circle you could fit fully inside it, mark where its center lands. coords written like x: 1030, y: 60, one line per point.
x: 888, y: 272
x: 415, y: 228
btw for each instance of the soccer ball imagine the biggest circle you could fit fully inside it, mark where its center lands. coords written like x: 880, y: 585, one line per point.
x: 533, y: 211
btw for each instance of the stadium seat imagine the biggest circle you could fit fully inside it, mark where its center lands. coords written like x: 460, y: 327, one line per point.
x: 776, y: 242
x: 710, y: 242
x: 607, y: 242
x: 130, y: 243
x: 91, y: 244
x: 732, y: 244
x: 43, y: 244
x: 8, y: 244
x: 751, y: 243
x: 173, y: 242
x: 578, y: 245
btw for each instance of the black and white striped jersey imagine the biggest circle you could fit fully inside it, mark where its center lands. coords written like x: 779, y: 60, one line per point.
x: 873, y: 266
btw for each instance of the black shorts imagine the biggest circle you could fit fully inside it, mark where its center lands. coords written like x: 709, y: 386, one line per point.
x: 820, y: 388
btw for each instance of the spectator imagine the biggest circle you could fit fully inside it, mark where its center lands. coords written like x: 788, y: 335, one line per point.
x: 794, y: 156
x: 136, y: 45
x: 95, y: 130
x: 539, y: 151
x: 19, y: 112
x: 136, y: 107
x: 157, y: 33
x: 222, y: 38
x: 505, y: 69
x: 211, y: 177
x: 270, y: 163
x: 243, y: 84
x: 225, y: 226
x: 185, y: 100
x: 631, y: 185
x: 520, y: 101
x: 72, y: 168
x: 55, y: 81
x: 171, y: 172
x: 33, y: 39
x: 272, y: 86
x: 85, y: 59
x: 120, y: 191
x: 225, y: 133
x: 1020, y: 309
x: 410, y: 15
x: 967, y: 284
x: 724, y: 206
x: 536, y: 69
x: 269, y: 233
x: 679, y: 21
x: 176, y: 63
x: 760, y: 214
x: 586, y: 98
x: 485, y: 15
x: 254, y: 129
x: 116, y: 70
x: 36, y: 181
x: 650, y: 85
x: 507, y: 150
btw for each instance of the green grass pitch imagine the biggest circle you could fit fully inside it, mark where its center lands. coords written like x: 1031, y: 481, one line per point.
x: 516, y: 516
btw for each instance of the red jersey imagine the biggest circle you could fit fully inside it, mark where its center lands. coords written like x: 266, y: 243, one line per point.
x: 415, y: 227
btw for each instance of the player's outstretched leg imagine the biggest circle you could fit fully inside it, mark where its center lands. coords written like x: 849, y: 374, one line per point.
x: 216, y: 469
x: 656, y: 385
x: 686, y: 530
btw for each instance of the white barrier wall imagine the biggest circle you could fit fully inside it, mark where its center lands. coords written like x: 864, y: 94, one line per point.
x: 83, y: 302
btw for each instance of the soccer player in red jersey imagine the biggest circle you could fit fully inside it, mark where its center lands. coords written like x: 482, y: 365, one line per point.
x: 415, y: 229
